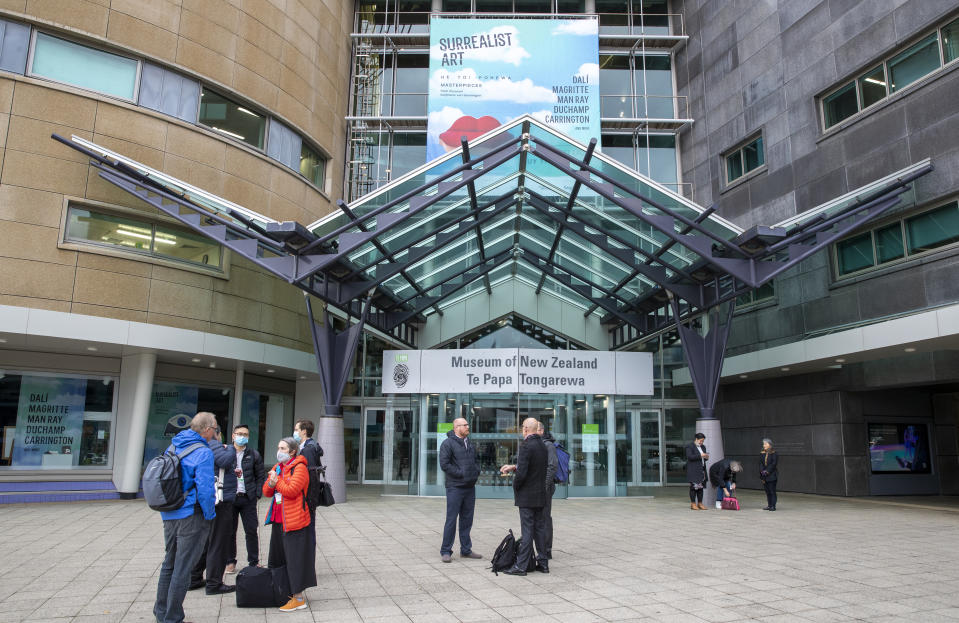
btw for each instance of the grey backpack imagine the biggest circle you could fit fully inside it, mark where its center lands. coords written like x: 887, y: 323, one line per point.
x: 163, y: 482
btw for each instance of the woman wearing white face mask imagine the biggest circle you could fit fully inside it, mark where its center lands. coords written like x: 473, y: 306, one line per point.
x: 290, y: 543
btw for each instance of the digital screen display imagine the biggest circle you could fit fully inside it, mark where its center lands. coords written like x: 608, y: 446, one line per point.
x: 899, y: 449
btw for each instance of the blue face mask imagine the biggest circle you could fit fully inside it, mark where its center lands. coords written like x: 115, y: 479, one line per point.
x: 241, y: 441
x: 296, y: 436
x: 282, y: 457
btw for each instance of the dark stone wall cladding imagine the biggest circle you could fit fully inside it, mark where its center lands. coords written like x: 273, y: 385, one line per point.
x: 758, y: 66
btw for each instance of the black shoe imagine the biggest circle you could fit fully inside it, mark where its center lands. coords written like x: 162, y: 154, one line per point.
x: 542, y: 568
x: 772, y: 508
x: 514, y: 571
x: 222, y: 589
x: 765, y: 508
x: 195, y: 584
x: 549, y: 555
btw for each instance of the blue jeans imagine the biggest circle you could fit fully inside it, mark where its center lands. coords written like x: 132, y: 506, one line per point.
x: 719, y: 490
x: 460, y: 501
x: 184, y: 539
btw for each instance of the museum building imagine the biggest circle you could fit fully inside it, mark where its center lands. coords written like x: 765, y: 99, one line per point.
x: 118, y: 315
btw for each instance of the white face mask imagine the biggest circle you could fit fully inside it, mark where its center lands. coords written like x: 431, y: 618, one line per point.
x: 282, y: 457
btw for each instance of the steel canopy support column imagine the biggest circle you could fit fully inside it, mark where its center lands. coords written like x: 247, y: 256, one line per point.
x: 704, y: 355
x: 334, y: 357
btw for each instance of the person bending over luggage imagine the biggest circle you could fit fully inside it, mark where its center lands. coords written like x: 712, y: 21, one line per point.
x: 290, y: 542
x: 722, y: 475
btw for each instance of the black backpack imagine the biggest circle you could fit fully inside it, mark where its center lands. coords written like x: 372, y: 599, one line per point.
x: 505, y: 555
x: 163, y: 481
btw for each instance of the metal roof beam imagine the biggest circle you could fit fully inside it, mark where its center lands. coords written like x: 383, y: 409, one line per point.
x: 471, y: 187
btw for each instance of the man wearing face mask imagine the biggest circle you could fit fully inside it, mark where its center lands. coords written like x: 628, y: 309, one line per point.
x: 250, y: 476
x: 312, y: 452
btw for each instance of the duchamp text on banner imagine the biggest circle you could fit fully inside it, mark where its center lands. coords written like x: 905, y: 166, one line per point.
x: 485, y: 72
x: 509, y: 370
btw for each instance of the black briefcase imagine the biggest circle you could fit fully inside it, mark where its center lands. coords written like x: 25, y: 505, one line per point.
x: 259, y: 587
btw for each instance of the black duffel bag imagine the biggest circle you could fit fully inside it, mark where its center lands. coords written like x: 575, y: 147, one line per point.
x: 259, y: 587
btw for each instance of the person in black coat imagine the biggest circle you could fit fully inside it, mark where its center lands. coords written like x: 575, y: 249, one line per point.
x: 529, y: 494
x: 251, y: 474
x: 458, y: 461
x: 313, y: 453
x: 696, y: 457
x: 769, y: 473
x: 217, y: 548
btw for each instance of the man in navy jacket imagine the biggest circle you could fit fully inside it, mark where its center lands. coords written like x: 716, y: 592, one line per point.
x: 186, y: 528
x: 458, y: 462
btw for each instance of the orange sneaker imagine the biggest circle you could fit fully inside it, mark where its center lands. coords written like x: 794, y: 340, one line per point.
x: 293, y: 605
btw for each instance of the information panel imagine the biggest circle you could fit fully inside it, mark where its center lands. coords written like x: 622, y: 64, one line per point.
x: 510, y: 370
x: 485, y: 72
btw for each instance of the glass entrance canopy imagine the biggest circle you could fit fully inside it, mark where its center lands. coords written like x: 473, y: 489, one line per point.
x: 524, y: 203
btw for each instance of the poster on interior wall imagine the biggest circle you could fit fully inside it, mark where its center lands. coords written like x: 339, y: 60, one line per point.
x: 172, y: 407
x: 485, y: 72
x: 49, y: 421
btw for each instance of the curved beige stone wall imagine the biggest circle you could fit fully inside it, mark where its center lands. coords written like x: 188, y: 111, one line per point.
x: 292, y: 62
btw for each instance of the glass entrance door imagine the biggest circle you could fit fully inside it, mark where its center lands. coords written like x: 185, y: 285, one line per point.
x: 647, y: 469
x: 387, y: 445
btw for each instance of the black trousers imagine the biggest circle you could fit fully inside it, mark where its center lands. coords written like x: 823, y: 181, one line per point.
x: 245, y: 508
x: 696, y: 495
x: 217, y: 548
x: 532, y: 522
x: 548, y: 512
x: 293, y: 550
x: 770, y: 487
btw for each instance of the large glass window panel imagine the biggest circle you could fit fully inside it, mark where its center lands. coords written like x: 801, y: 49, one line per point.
x: 615, y: 92
x: 914, y: 63
x: 840, y: 105
x: 107, y: 229
x: 230, y: 118
x: 456, y: 6
x: 87, y: 68
x: 533, y: 6
x: 375, y: 420
x: 619, y: 147
x: 412, y: 84
x: 613, y: 16
x: 409, y: 152
x: 186, y: 246
x: 79, y: 438
x: 657, y: 158
x: 571, y: 6
x: 950, y: 41
x: 312, y: 165
x: 494, y: 6
x: 653, y: 81
x: 680, y: 428
x: 933, y: 229
x: 889, y: 244
x: 734, y: 166
x: 753, y: 156
x: 855, y: 253
x: 413, y: 15
x: 872, y: 85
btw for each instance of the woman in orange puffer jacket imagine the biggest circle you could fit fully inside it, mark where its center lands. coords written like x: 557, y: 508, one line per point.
x: 290, y: 543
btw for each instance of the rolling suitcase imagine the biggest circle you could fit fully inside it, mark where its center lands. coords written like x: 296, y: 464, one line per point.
x: 259, y: 587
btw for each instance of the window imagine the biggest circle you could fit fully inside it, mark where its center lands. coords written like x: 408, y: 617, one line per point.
x: 312, y: 166
x: 84, y: 67
x: 227, y: 117
x: 903, y: 238
x: 128, y: 233
x: 914, y: 63
x: 892, y: 75
x: 757, y: 295
x: 950, y: 42
x: 80, y: 436
x: 745, y: 160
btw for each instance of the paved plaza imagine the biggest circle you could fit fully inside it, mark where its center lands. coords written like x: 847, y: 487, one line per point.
x: 639, y: 559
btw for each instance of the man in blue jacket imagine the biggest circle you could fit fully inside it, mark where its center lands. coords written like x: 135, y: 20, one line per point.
x: 458, y: 462
x: 187, y: 528
x: 217, y: 549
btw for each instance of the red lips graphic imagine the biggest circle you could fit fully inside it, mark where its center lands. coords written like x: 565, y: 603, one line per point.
x: 470, y: 127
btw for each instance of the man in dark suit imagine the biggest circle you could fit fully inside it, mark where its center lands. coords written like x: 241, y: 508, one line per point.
x: 529, y: 494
